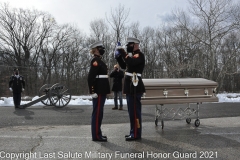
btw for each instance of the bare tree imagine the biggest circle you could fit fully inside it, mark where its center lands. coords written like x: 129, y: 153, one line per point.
x: 148, y: 48
x: 229, y: 61
x: 71, y: 52
x: 21, y: 33
x: 133, y: 30
x: 51, y: 52
x: 18, y: 29
x: 214, y: 22
x: 98, y: 29
x: 117, y: 20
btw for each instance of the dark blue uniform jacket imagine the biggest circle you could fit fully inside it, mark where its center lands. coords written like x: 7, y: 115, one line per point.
x: 132, y: 64
x: 17, y: 83
x: 98, y: 85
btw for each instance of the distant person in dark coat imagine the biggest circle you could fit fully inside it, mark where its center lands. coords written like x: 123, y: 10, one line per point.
x: 99, y: 87
x: 16, y: 86
x: 117, y: 76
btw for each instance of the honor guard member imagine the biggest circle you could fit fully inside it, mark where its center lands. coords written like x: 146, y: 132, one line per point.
x: 134, y: 63
x: 16, y: 86
x: 99, y: 87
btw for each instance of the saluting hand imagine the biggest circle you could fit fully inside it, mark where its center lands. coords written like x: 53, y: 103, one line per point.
x: 122, y: 52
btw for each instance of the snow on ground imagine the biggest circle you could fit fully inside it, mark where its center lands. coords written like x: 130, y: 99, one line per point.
x: 75, y: 100
x: 84, y: 100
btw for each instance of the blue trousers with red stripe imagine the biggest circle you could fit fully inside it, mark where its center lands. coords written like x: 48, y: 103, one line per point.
x: 97, y: 116
x: 135, y: 114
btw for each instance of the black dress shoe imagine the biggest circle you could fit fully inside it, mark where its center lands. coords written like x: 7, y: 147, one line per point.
x: 104, y: 137
x: 21, y: 107
x: 101, y: 139
x: 129, y: 138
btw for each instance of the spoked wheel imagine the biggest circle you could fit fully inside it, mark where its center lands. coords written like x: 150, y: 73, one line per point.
x: 197, y: 122
x: 59, y: 95
x: 188, y: 120
x: 43, y: 91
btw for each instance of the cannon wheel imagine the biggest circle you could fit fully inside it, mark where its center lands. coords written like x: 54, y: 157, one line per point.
x: 188, y: 120
x: 197, y: 122
x: 41, y: 92
x: 59, y: 95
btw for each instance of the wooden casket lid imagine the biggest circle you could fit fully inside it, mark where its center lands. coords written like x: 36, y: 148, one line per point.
x: 179, y: 90
x: 178, y: 82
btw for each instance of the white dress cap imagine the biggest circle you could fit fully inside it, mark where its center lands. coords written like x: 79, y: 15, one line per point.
x: 134, y: 40
x: 96, y: 44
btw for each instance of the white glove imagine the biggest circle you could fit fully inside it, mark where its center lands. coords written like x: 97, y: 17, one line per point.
x: 94, y: 95
x: 10, y: 89
x: 130, y: 54
x: 23, y: 89
x: 144, y: 94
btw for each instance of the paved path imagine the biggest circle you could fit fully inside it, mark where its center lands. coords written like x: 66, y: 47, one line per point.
x: 27, y: 136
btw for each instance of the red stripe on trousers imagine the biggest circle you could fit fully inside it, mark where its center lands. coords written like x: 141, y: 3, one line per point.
x: 98, y: 108
x: 135, y: 118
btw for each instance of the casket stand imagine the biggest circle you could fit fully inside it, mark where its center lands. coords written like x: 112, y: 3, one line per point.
x: 178, y: 91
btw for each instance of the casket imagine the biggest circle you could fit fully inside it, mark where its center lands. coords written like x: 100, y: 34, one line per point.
x: 179, y: 90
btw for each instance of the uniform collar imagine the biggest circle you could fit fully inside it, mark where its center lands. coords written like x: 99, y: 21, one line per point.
x: 98, y: 56
x: 136, y: 51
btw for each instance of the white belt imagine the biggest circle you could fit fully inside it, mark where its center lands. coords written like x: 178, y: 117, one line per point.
x: 102, y: 76
x: 130, y: 74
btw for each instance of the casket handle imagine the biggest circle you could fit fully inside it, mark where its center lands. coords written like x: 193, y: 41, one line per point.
x: 205, y: 91
x: 214, y: 91
x: 165, y: 92
x: 186, y: 92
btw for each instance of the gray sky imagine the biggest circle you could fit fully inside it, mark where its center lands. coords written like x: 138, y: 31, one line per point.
x: 82, y: 12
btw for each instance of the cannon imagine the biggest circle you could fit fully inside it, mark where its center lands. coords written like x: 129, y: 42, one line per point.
x: 57, y: 95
